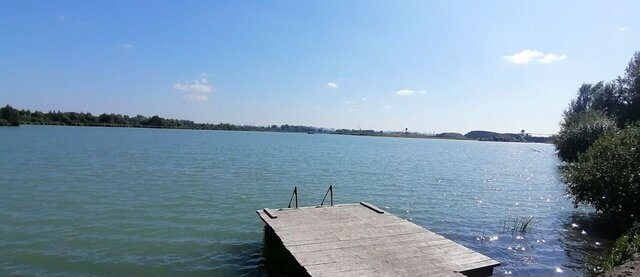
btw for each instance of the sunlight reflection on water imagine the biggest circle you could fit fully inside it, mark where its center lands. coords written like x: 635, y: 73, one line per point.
x: 111, y: 201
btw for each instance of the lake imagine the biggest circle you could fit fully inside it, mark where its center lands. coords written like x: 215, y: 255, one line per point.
x: 124, y: 201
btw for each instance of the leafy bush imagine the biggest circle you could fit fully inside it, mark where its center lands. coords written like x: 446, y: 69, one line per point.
x: 604, y: 168
x: 607, y: 175
x: 579, y: 130
x: 4, y: 122
x: 623, y: 249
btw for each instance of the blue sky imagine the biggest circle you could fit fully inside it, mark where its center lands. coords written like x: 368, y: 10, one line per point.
x: 430, y: 66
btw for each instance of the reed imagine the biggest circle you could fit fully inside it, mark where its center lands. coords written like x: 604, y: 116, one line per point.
x: 518, y: 225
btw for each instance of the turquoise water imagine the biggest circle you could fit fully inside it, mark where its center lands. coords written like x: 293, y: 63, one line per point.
x: 112, y: 201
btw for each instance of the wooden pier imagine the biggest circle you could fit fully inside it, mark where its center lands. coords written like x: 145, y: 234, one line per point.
x: 363, y: 240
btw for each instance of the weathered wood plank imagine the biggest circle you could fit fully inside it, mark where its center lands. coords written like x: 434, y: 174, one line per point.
x: 386, y: 240
x: 363, y: 240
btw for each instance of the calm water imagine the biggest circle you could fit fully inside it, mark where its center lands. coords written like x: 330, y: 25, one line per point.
x: 111, y: 201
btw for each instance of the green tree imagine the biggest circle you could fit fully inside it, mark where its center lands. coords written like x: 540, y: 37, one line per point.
x: 155, y: 121
x: 619, y: 98
x: 630, y: 90
x: 11, y: 115
x: 107, y: 118
x: 607, y: 175
x: 579, y: 130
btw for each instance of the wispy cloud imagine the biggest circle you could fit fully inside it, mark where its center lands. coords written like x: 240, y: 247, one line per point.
x: 364, y: 99
x: 410, y: 92
x: 63, y: 18
x: 194, y: 87
x: 349, y: 102
x: 195, y: 90
x: 405, y: 92
x: 388, y: 107
x: 527, y: 56
x: 551, y: 58
x: 195, y: 97
x: 204, y: 74
x: 625, y: 28
x: 353, y: 110
x: 332, y: 85
x: 524, y: 56
x: 127, y: 46
x: 314, y: 107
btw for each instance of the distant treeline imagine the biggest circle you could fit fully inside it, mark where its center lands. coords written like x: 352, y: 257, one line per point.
x: 10, y: 116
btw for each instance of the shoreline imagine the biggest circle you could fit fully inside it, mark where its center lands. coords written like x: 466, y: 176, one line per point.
x: 337, y: 132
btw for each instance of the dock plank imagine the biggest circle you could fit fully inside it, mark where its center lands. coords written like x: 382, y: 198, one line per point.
x: 363, y: 240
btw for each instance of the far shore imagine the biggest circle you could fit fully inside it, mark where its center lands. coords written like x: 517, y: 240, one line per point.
x: 370, y: 133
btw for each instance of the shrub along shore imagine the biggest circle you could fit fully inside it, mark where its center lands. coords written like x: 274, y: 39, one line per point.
x: 599, y: 140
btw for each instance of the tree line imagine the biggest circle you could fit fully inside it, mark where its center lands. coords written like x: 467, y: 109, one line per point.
x: 10, y: 116
x: 599, y: 140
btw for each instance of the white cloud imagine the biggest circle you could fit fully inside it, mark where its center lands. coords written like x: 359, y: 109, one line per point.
x: 204, y: 74
x: 194, y: 87
x: 332, y: 85
x: 61, y: 17
x: 527, y: 56
x: 127, y: 46
x: 195, y: 90
x: 388, y: 107
x: 524, y: 56
x: 552, y: 58
x: 194, y: 97
x: 405, y: 92
x: 364, y: 99
x: 625, y: 28
x: 349, y: 102
x: 410, y: 92
x: 353, y: 110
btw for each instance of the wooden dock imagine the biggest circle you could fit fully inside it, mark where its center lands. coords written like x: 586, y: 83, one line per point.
x: 363, y: 240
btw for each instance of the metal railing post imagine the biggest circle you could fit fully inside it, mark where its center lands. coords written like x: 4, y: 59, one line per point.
x: 331, y: 189
x: 329, y: 192
x: 295, y: 193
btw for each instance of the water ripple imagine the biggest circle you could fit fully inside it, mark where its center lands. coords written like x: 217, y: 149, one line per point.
x: 102, y: 201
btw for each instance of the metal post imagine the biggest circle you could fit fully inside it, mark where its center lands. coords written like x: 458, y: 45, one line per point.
x: 295, y: 193
x: 329, y: 192
x: 331, y: 189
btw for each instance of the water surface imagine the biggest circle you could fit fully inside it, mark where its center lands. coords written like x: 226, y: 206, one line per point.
x: 124, y: 201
